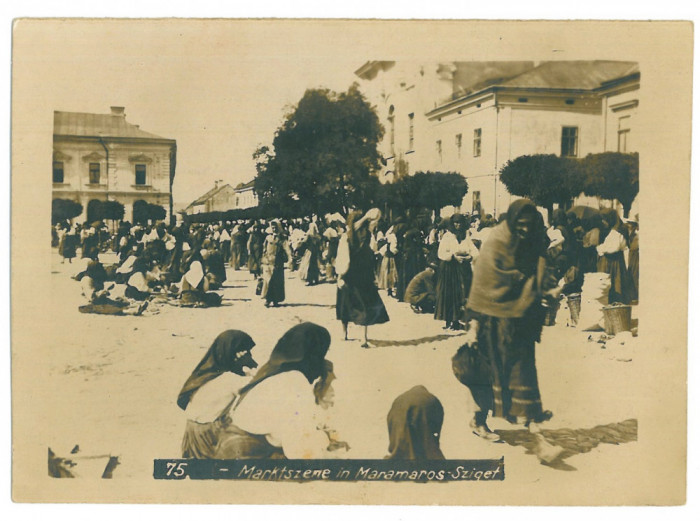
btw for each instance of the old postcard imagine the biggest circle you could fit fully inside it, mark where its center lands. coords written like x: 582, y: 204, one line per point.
x: 350, y: 261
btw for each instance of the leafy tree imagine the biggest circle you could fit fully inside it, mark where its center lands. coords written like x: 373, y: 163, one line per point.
x: 113, y: 210
x: 95, y: 211
x: 64, y: 210
x: 322, y: 156
x: 545, y: 179
x: 612, y: 175
x: 140, y: 212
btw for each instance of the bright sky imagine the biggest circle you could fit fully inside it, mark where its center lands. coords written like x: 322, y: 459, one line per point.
x: 220, y: 91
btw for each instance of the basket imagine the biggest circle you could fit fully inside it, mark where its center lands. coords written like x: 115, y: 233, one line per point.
x: 550, y: 314
x: 617, y: 318
x: 574, y: 301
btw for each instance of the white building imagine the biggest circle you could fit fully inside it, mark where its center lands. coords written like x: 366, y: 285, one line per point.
x: 104, y: 157
x: 472, y: 117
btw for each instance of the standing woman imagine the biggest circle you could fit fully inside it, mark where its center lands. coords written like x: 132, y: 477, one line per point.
x: 505, y: 320
x: 633, y: 261
x: 611, y: 259
x: 255, y: 250
x: 310, y: 267
x: 357, y: 298
x: 455, y: 253
x: 275, y: 254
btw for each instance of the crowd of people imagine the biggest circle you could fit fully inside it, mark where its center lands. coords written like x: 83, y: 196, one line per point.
x: 492, y: 277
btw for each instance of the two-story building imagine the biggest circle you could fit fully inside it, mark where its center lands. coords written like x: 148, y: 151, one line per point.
x: 104, y: 157
x: 473, y: 117
x: 224, y: 197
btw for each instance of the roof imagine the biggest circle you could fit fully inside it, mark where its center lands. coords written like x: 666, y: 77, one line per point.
x: 245, y: 186
x: 105, y: 125
x: 474, y: 76
x: 204, y: 198
x: 580, y: 75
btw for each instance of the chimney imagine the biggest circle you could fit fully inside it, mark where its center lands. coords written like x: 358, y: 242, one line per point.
x: 118, y: 111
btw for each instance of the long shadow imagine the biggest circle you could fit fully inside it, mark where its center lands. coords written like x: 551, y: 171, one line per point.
x: 414, y: 341
x: 236, y: 299
x: 226, y: 286
x: 569, y: 441
x: 302, y: 304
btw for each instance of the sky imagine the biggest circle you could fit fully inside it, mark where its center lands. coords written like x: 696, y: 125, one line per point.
x: 220, y: 92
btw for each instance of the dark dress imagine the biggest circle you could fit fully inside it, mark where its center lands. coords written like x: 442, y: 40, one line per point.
x: 633, y: 267
x: 450, y: 294
x: 412, y: 261
x: 358, y: 301
x: 273, y: 271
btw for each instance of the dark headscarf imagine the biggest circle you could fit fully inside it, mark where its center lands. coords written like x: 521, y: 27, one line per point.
x: 414, y: 422
x: 219, y: 359
x: 504, y: 283
x: 612, y: 219
x: 458, y: 218
x: 303, y: 348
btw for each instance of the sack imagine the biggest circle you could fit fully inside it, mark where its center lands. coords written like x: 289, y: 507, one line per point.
x: 470, y: 367
x: 259, y: 287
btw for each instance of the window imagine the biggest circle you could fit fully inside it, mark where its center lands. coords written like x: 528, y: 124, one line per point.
x: 438, y: 148
x: 458, y: 144
x: 477, y: 142
x: 569, y: 141
x: 94, y: 178
x: 140, y: 171
x: 476, y: 201
x: 623, y: 133
x: 58, y: 171
x: 410, y: 131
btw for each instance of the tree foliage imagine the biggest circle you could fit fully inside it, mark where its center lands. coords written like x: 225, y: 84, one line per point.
x: 612, y: 175
x: 64, y: 210
x: 144, y: 211
x: 323, y: 155
x: 545, y: 179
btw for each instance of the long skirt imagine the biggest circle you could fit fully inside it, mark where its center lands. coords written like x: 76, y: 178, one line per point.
x: 387, y: 275
x: 360, y: 305
x: 634, y: 273
x: 614, y: 265
x: 254, y: 262
x: 236, y: 254
x: 450, y: 295
x: 505, y: 380
x: 214, y: 440
x: 273, y: 284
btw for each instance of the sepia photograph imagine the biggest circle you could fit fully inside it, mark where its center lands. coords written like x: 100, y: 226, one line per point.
x: 350, y: 261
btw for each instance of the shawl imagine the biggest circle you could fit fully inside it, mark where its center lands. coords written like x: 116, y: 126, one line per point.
x: 415, y: 421
x: 302, y: 348
x: 504, y: 283
x: 230, y: 352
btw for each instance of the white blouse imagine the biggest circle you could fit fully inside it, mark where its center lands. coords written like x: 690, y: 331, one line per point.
x: 213, y: 397
x: 614, y: 242
x: 451, y: 246
x: 283, y: 408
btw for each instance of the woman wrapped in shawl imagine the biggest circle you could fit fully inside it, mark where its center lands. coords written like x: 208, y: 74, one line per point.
x: 505, y: 320
x: 210, y: 389
x: 415, y: 422
x: 282, y: 411
x: 611, y: 259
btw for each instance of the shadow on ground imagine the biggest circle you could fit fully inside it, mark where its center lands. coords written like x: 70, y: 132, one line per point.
x: 413, y: 342
x: 569, y: 442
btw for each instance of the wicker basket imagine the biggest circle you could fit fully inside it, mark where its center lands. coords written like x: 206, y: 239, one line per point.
x: 617, y: 318
x: 574, y: 301
x: 550, y: 317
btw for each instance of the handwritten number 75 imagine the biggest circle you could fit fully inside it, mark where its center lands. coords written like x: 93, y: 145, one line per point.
x: 176, y: 469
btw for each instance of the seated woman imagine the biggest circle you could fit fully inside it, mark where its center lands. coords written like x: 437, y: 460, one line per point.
x: 414, y: 422
x: 281, y: 412
x: 194, y: 286
x: 97, y: 294
x: 210, y: 390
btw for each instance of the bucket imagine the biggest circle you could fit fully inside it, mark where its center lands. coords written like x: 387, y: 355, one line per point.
x: 574, y: 301
x: 617, y: 318
x: 550, y: 316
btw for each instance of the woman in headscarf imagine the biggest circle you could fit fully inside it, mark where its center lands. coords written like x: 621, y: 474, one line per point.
x: 415, y: 422
x: 68, y: 244
x: 592, y: 238
x: 97, y: 294
x: 387, y: 248
x: 255, y: 250
x: 194, y: 285
x: 357, y: 298
x: 455, y: 252
x: 310, y: 267
x: 210, y: 389
x: 611, y: 259
x: 633, y: 259
x: 275, y: 253
x: 505, y: 320
x: 281, y: 413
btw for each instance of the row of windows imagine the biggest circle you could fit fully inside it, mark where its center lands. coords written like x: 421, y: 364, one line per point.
x: 94, y: 172
x: 476, y: 145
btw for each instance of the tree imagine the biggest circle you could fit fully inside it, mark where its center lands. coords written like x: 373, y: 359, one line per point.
x: 612, y: 175
x: 323, y: 155
x: 545, y: 179
x: 113, y: 210
x: 64, y: 210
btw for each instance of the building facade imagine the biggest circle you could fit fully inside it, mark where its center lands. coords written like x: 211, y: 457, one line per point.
x: 473, y: 117
x: 222, y: 198
x: 103, y: 157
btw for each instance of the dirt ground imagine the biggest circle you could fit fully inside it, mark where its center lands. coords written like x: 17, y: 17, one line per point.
x: 114, y: 379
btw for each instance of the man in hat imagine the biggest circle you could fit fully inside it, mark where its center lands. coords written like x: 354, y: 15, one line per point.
x: 420, y: 292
